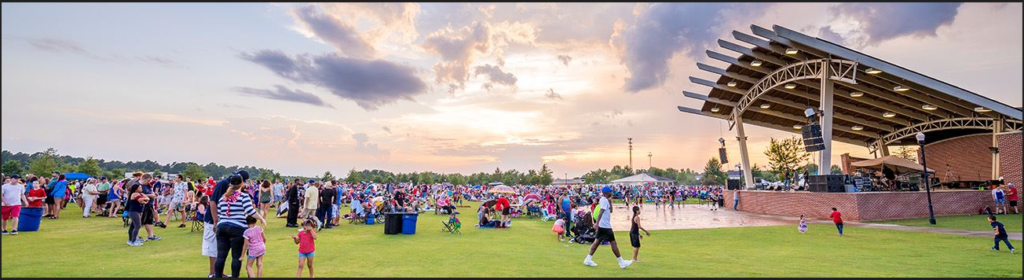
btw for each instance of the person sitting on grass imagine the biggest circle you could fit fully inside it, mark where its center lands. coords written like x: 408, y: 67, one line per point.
x: 307, y: 245
x: 1000, y: 232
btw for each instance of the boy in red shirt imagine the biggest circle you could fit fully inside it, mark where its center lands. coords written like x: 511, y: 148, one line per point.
x: 838, y: 219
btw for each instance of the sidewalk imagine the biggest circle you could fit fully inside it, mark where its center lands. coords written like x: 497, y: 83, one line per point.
x: 984, y: 233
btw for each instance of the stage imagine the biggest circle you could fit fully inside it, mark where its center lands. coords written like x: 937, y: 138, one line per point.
x: 862, y: 206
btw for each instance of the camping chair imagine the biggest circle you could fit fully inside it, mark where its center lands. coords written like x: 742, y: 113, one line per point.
x: 452, y: 226
x: 197, y: 222
x: 533, y: 211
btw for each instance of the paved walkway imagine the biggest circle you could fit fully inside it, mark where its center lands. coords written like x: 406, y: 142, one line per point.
x: 975, y: 233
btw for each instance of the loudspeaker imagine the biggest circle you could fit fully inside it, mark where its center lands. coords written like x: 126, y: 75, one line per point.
x: 733, y: 184
x: 812, y: 138
x: 826, y: 183
x: 721, y: 155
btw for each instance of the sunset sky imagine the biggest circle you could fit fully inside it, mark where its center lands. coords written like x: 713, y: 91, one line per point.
x: 444, y: 87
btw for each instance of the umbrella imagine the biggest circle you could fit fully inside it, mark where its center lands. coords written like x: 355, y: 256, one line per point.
x: 490, y: 203
x: 502, y: 189
x: 532, y: 196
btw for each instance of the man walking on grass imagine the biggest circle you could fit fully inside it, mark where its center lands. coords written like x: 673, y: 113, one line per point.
x: 604, y: 230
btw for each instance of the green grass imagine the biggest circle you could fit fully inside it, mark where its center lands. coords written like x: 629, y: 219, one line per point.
x: 74, y: 247
x: 969, y: 222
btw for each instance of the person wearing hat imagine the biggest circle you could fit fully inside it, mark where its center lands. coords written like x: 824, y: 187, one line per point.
x: 604, y: 230
x: 13, y: 199
x: 212, y: 218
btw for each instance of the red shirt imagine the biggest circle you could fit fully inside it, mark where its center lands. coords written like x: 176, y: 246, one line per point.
x: 1012, y: 194
x: 836, y: 217
x: 306, y: 244
x: 501, y: 204
x: 40, y: 193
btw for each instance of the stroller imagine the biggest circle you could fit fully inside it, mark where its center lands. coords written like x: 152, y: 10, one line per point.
x: 584, y: 229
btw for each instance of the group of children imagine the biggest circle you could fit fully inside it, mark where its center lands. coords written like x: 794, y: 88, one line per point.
x: 254, y: 248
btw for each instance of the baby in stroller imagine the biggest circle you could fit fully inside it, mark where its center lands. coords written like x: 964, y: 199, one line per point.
x: 584, y: 228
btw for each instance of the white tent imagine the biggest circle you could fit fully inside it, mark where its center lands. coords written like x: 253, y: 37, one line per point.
x: 643, y: 178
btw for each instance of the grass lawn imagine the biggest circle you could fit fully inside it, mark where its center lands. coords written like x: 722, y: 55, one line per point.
x: 969, y: 222
x: 75, y: 247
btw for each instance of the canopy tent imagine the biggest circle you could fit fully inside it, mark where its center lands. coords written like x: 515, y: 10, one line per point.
x: 643, y: 178
x: 76, y: 176
x: 895, y: 163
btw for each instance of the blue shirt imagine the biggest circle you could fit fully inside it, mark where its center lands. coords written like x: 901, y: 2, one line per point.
x: 218, y: 192
x: 146, y: 190
x: 566, y: 205
x: 1002, y: 230
x: 60, y: 190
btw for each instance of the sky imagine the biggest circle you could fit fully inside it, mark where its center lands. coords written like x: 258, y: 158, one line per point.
x: 443, y: 87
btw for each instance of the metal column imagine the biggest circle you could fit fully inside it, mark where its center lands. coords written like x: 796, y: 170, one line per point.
x: 748, y: 175
x: 826, y: 119
x: 997, y: 128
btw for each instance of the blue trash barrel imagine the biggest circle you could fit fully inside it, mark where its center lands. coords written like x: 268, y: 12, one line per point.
x: 369, y: 219
x: 409, y: 224
x: 30, y: 218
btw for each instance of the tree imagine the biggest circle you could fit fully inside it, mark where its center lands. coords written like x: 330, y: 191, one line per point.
x: 90, y: 166
x: 836, y: 170
x: 45, y: 163
x: 12, y: 167
x: 157, y: 173
x: 353, y: 176
x: 713, y: 174
x: 497, y: 175
x: 811, y: 168
x: 328, y: 176
x: 193, y: 171
x: 545, y: 175
x: 907, y: 153
x: 785, y: 155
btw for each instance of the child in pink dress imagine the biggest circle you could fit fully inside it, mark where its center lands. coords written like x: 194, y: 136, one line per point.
x: 559, y: 228
x: 254, y: 247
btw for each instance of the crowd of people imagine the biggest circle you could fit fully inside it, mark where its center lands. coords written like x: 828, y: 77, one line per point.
x: 233, y: 209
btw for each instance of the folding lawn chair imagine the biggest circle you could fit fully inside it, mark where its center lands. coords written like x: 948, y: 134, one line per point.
x: 452, y: 226
x: 198, y: 223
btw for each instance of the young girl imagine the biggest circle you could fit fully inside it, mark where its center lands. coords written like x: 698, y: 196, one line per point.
x: 254, y: 247
x: 634, y: 233
x: 559, y: 228
x: 803, y: 225
x: 305, y: 239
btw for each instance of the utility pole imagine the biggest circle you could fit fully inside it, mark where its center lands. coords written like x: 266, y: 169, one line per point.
x: 649, y: 165
x: 630, y: 154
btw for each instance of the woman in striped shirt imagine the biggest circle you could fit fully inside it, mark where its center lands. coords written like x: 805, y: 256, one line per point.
x: 232, y: 209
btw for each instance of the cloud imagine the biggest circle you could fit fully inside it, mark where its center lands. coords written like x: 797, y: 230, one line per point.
x: 613, y: 114
x: 552, y: 94
x: 388, y: 129
x: 457, y: 49
x: 284, y: 94
x: 370, y: 83
x: 662, y: 30
x: 495, y: 76
x: 56, y: 45
x: 72, y: 47
x: 565, y: 59
x: 341, y: 35
x: 826, y: 33
x: 363, y: 145
x: 883, y: 21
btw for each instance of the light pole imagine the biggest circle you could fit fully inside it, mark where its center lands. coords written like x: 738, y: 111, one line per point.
x: 649, y: 165
x: 927, y: 185
x: 630, y: 154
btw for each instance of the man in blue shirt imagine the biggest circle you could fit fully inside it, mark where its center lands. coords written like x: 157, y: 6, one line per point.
x: 1000, y: 232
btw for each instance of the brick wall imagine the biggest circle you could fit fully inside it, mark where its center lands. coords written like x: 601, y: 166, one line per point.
x: 1010, y: 158
x: 968, y: 157
x: 861, y: 206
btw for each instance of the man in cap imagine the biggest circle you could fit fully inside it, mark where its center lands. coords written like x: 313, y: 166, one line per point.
x: 604, y: 230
